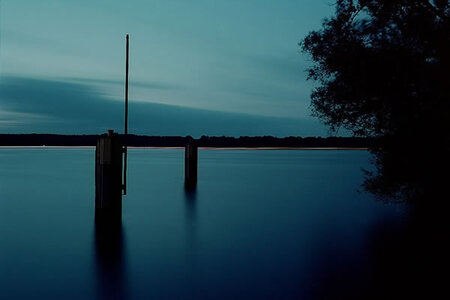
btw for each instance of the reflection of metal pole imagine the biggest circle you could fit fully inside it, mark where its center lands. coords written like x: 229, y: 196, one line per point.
x: 125, y: 149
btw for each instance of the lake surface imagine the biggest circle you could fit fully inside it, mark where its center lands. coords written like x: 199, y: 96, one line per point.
x: 262, y: 224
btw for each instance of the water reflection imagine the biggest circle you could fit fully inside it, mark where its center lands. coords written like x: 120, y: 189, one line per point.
x: 110, y: 259
x: 411, y: 171
x: 400, y: 258
x: 190, y: 200
x: 190, y: 197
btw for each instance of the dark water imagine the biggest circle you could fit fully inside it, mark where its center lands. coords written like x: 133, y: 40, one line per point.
x: 262, y: 224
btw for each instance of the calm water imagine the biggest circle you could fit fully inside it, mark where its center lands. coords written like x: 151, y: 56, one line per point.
x: 262, y: 224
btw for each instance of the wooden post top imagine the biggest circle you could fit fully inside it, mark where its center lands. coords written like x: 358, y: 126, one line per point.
x: 191, y: 141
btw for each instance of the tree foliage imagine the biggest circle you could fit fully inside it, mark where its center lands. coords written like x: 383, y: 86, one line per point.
x: 383, y: 71
x: 381, y: 64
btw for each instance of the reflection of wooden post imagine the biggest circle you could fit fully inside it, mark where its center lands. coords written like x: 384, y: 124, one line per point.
x: 108, y: 176
x: 190, y: 164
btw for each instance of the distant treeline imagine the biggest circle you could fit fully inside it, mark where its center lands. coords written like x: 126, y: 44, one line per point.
x: 179, y: 141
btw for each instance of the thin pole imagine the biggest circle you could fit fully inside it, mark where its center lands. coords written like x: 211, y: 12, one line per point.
x: 126, y: 120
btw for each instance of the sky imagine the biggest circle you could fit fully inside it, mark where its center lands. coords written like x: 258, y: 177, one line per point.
x: 197, y: 67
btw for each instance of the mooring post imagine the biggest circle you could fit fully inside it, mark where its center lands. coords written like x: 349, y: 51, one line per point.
x: 108, y: 177
x: 190, y: 164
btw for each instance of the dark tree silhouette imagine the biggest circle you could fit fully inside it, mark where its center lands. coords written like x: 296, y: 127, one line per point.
x: 383, y: 71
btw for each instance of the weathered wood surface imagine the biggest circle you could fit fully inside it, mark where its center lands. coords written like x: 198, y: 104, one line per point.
x: 191, y: 164
x: 108, y: 175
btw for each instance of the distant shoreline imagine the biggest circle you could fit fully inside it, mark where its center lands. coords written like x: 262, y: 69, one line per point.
x: 203, y: 148
x: 209, y: 142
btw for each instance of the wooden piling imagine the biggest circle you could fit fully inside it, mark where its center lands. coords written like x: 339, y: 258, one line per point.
x: 108, y: 176
x: 190, y: 164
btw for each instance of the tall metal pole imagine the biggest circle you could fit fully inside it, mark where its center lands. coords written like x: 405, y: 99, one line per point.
x: 126, y: 120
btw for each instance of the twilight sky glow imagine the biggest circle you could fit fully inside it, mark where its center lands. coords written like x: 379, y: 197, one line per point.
x: 197, y: 66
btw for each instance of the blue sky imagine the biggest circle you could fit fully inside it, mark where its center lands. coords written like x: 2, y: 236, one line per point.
x: 197, y: 67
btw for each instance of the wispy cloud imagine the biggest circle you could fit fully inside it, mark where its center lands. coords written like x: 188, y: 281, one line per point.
x: 134, y: 83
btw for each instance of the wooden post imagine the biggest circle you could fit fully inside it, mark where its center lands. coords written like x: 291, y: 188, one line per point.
x: 108, y: 177
x: 190, y: 164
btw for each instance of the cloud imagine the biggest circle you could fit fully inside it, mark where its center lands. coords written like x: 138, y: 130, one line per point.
x: 41, y: 105
x: 134, y: 83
